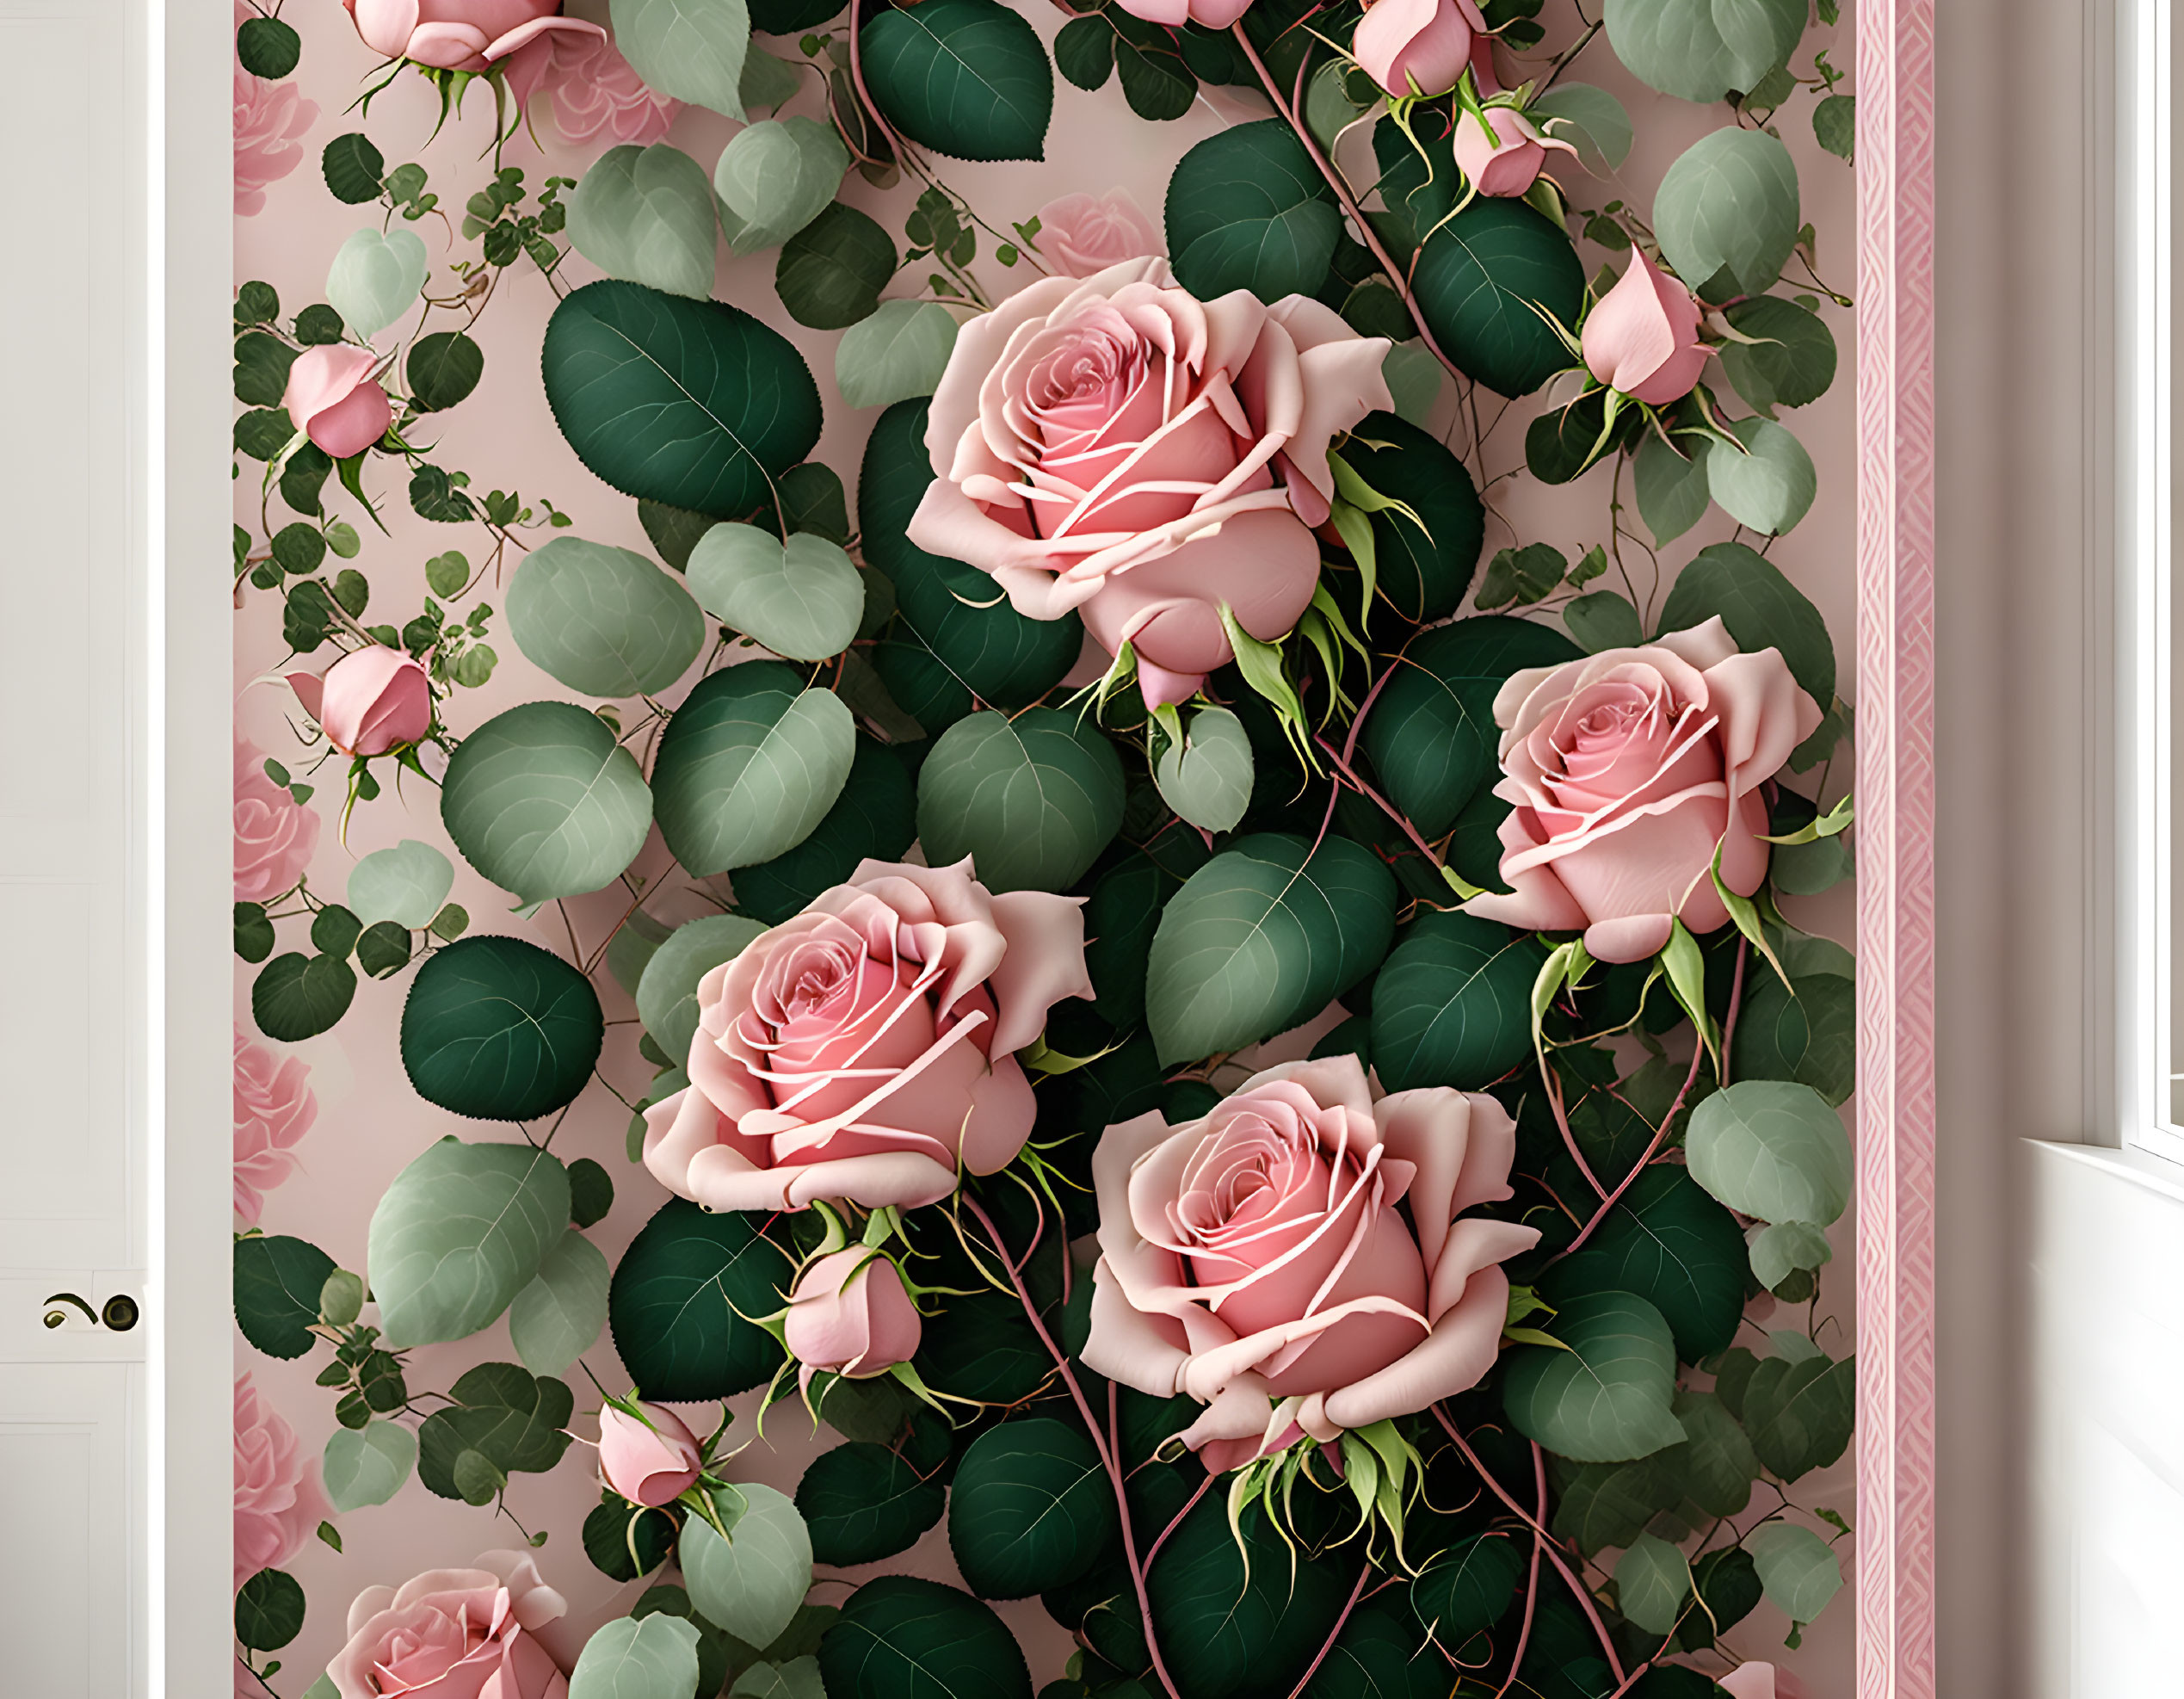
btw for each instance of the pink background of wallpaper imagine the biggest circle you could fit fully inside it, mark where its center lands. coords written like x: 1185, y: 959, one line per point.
x: 369, y: 1123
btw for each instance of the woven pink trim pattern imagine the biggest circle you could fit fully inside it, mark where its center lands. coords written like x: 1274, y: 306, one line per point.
x: 1896, y: 924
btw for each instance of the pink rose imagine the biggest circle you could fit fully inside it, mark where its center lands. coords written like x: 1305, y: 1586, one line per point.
x: 864, y: 1050
x: 274, y: 834
x: 1760, y: 1681
x: 269, y: 118
x: 592, y: 92
x: 453, y: 1634
x: 653, y: 1461
x: 274, y: 1109
x: 371, y: 701
x: 1118, y: 446
x: 278, y: 1503
x: 1207, y: 14
x: 1294, y: 1261
x: 1082, y: 235
x: 458, y: 34
x: 849, y: 1314
x: 1641, y: 336
x: 1507, y: 162
x: 1628, y: 768
x: 333, y: 398
x: 1417, y: 46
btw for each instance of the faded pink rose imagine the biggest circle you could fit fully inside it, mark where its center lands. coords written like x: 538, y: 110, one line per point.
x: 591, y: 92
x: 274, y: 1109
x: 1642, y: 335
x: 652, y: 1461
x: 1628, y: 768
x: 278, y: 1502
x: 1117, y: 446
x: 270, y: 118
x: 459, y: 34
x: 864, y: 1051
x: 371, y: 701
x: 274, y: 834
x: 1507, y: 162
x: 453, y: 1634
x: 851, y: 1316
x: 1082, y: 235
x: 333, y: 398
x: 1417, y: 46
x: 1295, y: 1260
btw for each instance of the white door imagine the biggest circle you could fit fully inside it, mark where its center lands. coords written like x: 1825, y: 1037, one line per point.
x: 113, y: 1371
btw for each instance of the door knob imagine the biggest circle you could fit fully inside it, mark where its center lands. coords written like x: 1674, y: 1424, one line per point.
x: 119, y: 1314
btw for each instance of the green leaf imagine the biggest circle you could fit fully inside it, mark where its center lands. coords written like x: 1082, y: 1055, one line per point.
x: 443, y: 369
x: 1715, y: 1466
x: 254, y: 935
x: 1785, y: 1248
x: 504, y: 1420
x: 297, y: 996
x: 902, y: 1638
x: 1797, y: 1567
x: 367, y: 1465
x: 1771, y: 1149
x: 1835, y: 125
x: 830, y: 272
x: 1790, y: 361
x: 318, y: 324
x: 965, y: 78
x: 1700, y: 50
x: 798, y: 1678
x: 459, y: 1232
x: 776, y: 176
x: 694, y: 404
x: 1247, y: 209
x: 1728, y: 1585
x: 614, y: 1525
x: 688, y: 50
x: 1260, y: 937
x: 375, y: 276
x: 653, y: 1657
x: 1206, y: 778
x: 353, y: 168
x: 1484, y: 278
x: 1452, y: 1006
x: 1377, y: 1655
x: 407, y: 884
x: 1033, y: 799
x: 603, y: 620
x: 751, y: 1582
x: 262, y: 364
x: 1520, y: 577
x: 1799, y: 1413
x: 1606, y: 1398
x: 1431, y: 736
x: 1665, y: 1241
x: 1085, y: 52
x: 269, y: 1611
x: 1727, y: 214
x: 1806, y: 1031
x: 863, y: 1502
x: 1759, y: 607
x: 681, y: 1300
x: 1599, y: 622
x: 554, y: 1319
x: 277, y: 1283
x: 1422, y: 572
x: 544, y: 802
x: 267, y: 48
x: 875, y: 818
x: 667, y: 994
x: 499, y: 1030
x: 1770, y: 486
x: 1030, y: 1509
x: 1468, y: 1587
x: 750, y: 764
x: 341, y: 1299
x: 1155, y: 82
x: 1652, y: 1580
x: 646, y: 215
x: 1239, y: 1613
x: 897, y: 354
x: 802, y: 599
x: 1591, y: 120
x: 1600, y: 1505
x: 1672, y: 490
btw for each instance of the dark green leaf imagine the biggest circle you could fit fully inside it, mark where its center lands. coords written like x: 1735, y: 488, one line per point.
x: 674, y: 531
x: 277, y: 1283
x: 1669, y: 1243
x: 267, y: 47
x: 875, y: 818
x: 256, y: 303
x: 383, y: 947
x: 1835, y: 125
x: 965, y: 78
x: 608, y: 1536
x: 1422, y: 574
x: 1484, y: 281
x: 1224, y: 1632
x: 1085, y: 52
x: 1247, y: 209
x: 1728, y: 1585
x: 506, y: 1416
x: 1468, y: 1588
x: 1377, y: 1655
x: 591, y: 1192
x: 318, y: 325
x: 500, y: 1029
x: 830, y: 272
x: 981, y: 1349
x: 263, y: 432
x: 434, y: 496
x: 814, y: 501
x: 1714, y: 1468
x: 253, y: 932
x: 1156, y: 82
x: 1601, y: 1506
x: 298, y: 547
x: 1452, y: 1003
x: 1806, y: 1031
x: 680, y: 1298
x: 443, y: 368
x: 1030, y: 1509
x: 1606, y: 1398
x: 269, y: 1606
x: 1522, y: 576
x: 354, y: 168
x: 1121, y: 918
x: 863, y: 1502
x: 297, y: 996
x: 1799, y: 1414
x: 334, y: 930
x: 1033, y: 798
x: 261, y: 363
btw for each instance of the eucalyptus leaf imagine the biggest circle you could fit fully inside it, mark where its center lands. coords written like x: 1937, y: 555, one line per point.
x: 499, y: 1030
x: 1033, y: 798
x: 460, y: 1231
x: 407, y: 884
x: 1789, y: 360
x: 689, y: 50
x: 653, y: 1657
x: 1606, y: 1394
x: 1727, y: 213
x: 1806, y: 1031
x: 802, y: 599
x: 1602, y: 621
x: 367, y: 1465
x: 667, y: 994
x: 1206, y: 778
x: 751, y: 1582
x: 603, y: 620
x: 830, y: 272
x: 897, y: 354
x: 646, y: 214
x: 1700, y: 50
x: 1768, y: 487
x: 1652, y: 1580
x: 375, y: 276
x: 1591, y: 120
x: 1797, y: 1567
x: 555, y: 1319
x: 1759, y: 607
x: 1781, y: 1251
x: 544, y: 802
x: 1771, y: 1149
x: 750, y: 764
x: 1671, y: 486
x: 774, y: 177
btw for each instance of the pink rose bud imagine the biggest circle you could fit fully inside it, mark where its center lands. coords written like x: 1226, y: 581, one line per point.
x: 1641, y: 339
x: 1082, y: 235
x: 850, y: 1315
x: 458, y: 34
x: 1506, y: 161
x: 369, y: 702
x: 1416, y: 46
x: 653, y: 1465
x: 332, y: 400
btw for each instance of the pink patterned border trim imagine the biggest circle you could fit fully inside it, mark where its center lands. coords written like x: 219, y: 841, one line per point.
x: 1896, y: 920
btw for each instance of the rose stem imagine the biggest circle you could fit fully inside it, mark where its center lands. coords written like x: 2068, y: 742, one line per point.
x: 1552, y: 1088
x: 1409, y: 830
x: 1531, y: 1586
x: 1176, y: 1521
x: 1554, y: 1556
x: 1343, y: 194
x: 1099, y: 1441
x: 1333, y: 1634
